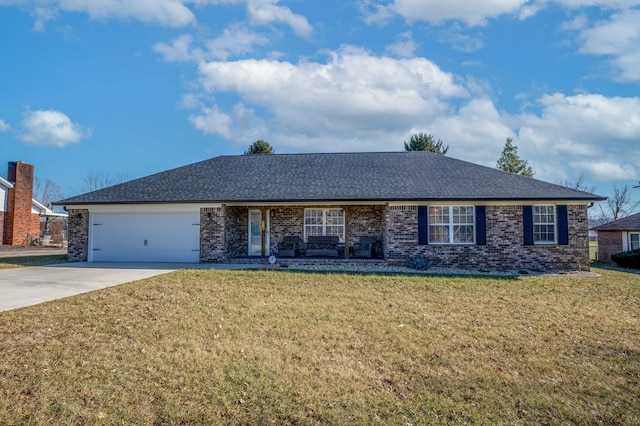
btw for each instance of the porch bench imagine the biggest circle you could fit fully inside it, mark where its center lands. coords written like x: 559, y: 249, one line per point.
x: 324, y: 246
x: 367, y: 247
x: 289, y: 246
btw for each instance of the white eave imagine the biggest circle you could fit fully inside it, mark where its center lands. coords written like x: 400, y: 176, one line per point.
x: 44, y: 210
x: 5, y: 183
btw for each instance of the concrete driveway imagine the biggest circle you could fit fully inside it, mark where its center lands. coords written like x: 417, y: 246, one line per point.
x: 20, y: 287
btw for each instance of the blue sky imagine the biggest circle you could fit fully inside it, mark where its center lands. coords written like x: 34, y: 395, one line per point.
x: 134, y: 87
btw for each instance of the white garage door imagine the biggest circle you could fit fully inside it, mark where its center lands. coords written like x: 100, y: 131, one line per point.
x: 145, y: 237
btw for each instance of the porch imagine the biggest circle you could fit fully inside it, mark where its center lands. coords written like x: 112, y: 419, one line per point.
x: 250, y: 233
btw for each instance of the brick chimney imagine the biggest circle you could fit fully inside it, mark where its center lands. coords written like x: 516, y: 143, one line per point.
x: 20, y: 223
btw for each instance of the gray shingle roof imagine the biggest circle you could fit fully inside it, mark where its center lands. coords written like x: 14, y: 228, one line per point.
x: 374, y: 176
x: 629, y: 223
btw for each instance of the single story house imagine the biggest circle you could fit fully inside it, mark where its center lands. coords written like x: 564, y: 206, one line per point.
x: 20, y: 214
x: 618, y: 236
x: 420, y: 204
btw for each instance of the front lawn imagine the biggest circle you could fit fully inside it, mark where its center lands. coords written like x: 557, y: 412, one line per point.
x: 263, y: 347
x: 40, y: 260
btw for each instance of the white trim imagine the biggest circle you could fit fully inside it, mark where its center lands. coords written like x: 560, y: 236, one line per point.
x: 630, y: 234
x: 90, y: 238
x: 555, y: 224
x: 5, y: 183
x: 625, y: 240
x: 318, y: 203
x: 517, y: 203
x: 324, y: 224
x: 450, y: 225
x: 267, y: 232
x: 144, y: 208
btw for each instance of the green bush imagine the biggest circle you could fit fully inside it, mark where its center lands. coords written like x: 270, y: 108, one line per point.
x: 627, y: 259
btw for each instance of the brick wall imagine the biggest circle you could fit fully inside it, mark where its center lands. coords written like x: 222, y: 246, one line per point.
x: 504, y: 249
x: 78, y: 230
x: 212, y: 235
x: 609, y: 243
x: 19, y: 223
x: 236, y: 221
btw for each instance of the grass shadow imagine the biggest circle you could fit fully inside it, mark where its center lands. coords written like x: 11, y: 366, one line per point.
x: 23, y: 261
x: 616, y: 268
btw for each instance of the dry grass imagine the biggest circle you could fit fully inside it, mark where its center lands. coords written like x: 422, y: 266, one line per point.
x: 40, y: 260
x: 203, y: 347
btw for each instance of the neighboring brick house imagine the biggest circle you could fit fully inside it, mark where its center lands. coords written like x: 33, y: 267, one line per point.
x: 421, y: 205
x: 20, y: 214
x: 618, y: 236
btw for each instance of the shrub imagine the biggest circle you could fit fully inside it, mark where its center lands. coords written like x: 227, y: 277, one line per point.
x: 627, y: 259
x: 419, y: 263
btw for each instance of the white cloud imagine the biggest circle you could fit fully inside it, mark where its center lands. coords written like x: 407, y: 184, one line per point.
x: 476, y: 132
x: 352, y: 94
x: 605, y: 170
x: 618, y: 38
x: 470, y: 12
x: 267, y: 11
x: 460, y: 41
x: 235, y: 40
x: 240, y: 125
x: 405, y: 47
x: 51, y: 128
x: 42, y: 15
x: 4, y: 126
x: 591, y: 133
x: 375, y: 14
x: 172, y: 13
x: 179, y: 50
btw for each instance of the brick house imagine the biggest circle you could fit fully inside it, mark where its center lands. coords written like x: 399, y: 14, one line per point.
x: 420, y: 204
x: 618, y: 236
x: 20, y: 214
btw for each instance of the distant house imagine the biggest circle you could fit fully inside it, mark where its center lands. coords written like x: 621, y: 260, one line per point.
x: 20, y: 214
x: 419, y: 204
x: 618, y: 236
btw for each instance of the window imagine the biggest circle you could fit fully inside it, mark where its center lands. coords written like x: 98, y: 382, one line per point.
x: 634, y: 241
x: 544, y: 225
x: 324, y: 222
x: 451, y: 225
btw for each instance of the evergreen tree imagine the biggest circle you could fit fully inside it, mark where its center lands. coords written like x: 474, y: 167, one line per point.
x: 425, y: 142
x: 260, y: 147
x: 509, y: 161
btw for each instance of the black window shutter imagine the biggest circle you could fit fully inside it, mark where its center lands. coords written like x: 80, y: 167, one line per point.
x: 563, y: 226
x: 481, y: 226
x: 527, y: 220
x: 423, y: 225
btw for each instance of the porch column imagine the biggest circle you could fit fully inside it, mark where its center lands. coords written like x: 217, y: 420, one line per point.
x: 263, y: 228
x: 346, y: 233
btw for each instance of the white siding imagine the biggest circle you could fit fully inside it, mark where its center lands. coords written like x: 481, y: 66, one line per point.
x: 3, y: 199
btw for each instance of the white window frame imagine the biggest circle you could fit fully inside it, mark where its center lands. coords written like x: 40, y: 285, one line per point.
x: 536, y: 215
x: 323, y: 222
x: 450, y: 223
x: 630, y: 246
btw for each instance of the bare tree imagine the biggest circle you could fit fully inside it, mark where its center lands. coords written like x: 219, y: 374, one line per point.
x: 47, y: 193
x: 98, y: 179
x: 579, y: 184
x: 618, y: 205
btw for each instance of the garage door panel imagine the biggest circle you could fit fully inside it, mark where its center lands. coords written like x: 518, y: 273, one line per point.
x: 138, y: 237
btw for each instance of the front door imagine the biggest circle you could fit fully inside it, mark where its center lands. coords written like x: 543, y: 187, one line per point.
x: 255, y: 233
